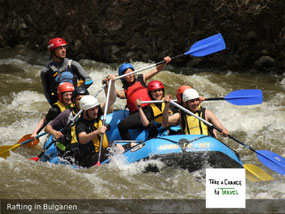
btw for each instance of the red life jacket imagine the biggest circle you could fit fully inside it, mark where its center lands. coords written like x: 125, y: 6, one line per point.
x: 135, y: 91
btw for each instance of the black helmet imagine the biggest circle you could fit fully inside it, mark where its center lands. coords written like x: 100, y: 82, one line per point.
x: 79, y: 91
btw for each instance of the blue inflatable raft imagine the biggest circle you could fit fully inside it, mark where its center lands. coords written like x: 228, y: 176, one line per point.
x: 190, y: 152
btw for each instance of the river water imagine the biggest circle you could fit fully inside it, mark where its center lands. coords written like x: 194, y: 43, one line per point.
x: 22, y: 105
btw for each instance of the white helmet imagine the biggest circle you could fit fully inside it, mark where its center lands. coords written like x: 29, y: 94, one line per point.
x: 88, y: 102
x: 189, y: 94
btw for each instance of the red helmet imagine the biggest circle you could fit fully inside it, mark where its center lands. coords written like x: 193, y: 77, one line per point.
x: 155, y: 84
x: 64, y: 87
x: 55, y: 43
x: 180, y: 91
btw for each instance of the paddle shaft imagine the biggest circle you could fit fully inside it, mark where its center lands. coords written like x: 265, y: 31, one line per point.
x: 173, y: 102
x: 217, y: 98
x: 44, y: 150
x: 238, y: 97
x: 148, y: 67
x: 206, y: 99
x: 203, y: 47
x: 208, y: 124
x: 136, y: 71
x: 104, y: 121
x: 154, y: 101
x: 70, y: 123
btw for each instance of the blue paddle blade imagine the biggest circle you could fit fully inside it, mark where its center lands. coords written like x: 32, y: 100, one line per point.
x: 207, y: 46
x: 245, y: 97
x: 272, y: 161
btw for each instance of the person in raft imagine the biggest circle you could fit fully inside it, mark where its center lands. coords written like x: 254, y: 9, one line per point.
x: 134, y: 88
x: 90, y: 128
x: 66, y: 143
x: 61, y: 69
x: 156, y: 92
x: 64, y: 93
x: 190, y: 99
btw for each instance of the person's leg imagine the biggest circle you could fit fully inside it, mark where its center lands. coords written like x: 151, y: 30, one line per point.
x: 131, y: 122
x: 152, y: 130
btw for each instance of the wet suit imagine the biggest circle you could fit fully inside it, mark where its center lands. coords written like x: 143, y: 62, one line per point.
x: 50, y: 76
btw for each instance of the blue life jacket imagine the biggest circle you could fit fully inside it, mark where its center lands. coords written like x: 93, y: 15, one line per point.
x: 63, y: 75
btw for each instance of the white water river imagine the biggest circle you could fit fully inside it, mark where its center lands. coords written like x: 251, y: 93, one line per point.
x: 22, y: 105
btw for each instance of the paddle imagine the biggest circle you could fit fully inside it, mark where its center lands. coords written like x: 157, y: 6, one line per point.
x: 64, y: 130
x: 242, y: 97
x: 268, y: 158
x: 25, y: 140
x: 201, y: 48
x: 238, y: 97
x: 50, y: 116
x: 5, y: 150
x: 104, y: 122
x: 255, y: 174
x: 30, y: 144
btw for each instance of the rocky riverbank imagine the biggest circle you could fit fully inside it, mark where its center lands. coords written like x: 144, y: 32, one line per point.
x: 123, y: 30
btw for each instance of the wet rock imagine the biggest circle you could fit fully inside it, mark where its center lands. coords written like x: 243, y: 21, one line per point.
x: 77, y: 45
x: 265, y: 62
x: 124, y: 30
x: 2, y: 44
x: 252, y: 36
x: 194, y: 62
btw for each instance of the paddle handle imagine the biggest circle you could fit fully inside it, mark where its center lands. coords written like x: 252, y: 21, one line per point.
x: 214, y: 98
x: 174, y: 57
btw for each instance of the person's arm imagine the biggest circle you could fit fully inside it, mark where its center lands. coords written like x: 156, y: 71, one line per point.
x: 143, y: 118
x: 173, y: 120
x: 85, y: 138
x: 52, y: 113
x: 38, y: 127
x: 212, y: 118
x: 59, y: 122
x: 121, y: 94
x: 155, y: 71
x: 45, y: 86
x: 83, y: 74
x: 169, y: 120
x: 55, y: 133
